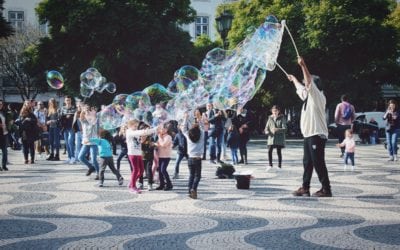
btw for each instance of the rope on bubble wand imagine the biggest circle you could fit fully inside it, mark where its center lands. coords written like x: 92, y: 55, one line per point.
x: 291, y: 37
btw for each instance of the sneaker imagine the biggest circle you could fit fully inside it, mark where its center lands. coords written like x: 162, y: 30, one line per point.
x: 72, y: 160
x: 353, y: 168
x: 90, y: 171
x: 322, y: 193
x: 100, y: 184
x: 134, y: 190
x: 120, y: 181
x: 56, y: 158
x: 150, y: 187
x: 141, y: 186
x: 193, y: 194
x: 302, y: 192
x: 269, y: 168
x: 159, y: 188
x: 50, y: 157
x: 32, y: 162
x: 213, y: 162
x: 345, y: 167
x: 168, y: 187
x: 395, y: 158
x: 97, y: 178
x: 26, y: 161
x: 67, y: 161
x: 391, y: 158
x: 5, y: 168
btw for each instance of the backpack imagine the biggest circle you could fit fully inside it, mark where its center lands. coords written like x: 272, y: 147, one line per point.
x: 347, y: 112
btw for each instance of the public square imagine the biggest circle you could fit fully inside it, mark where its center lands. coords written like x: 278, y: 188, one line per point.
x: 51, y: 205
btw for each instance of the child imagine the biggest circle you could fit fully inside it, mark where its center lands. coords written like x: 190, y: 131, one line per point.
x: 195, y: 140
x: 106, y: 158
x: 124, y: 148
x: 164, y: 146
x: 148, y: 146
x: 233, y: 143
x: 135, y: 152
x: 181, y: 143
x: 350, y: 146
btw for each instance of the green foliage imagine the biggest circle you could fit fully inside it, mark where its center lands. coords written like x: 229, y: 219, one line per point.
x: 133, y: 43
x: 351, y: 45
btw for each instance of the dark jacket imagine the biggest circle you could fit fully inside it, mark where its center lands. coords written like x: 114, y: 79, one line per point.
x: 233, y: 138
x: 148, y: 148
x: 28, y: 128
x: 180, y: 142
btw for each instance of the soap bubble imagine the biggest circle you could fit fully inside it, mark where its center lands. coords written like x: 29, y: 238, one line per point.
x: 54, y: 79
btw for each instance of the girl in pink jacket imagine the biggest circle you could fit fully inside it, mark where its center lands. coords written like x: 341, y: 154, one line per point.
x: 164, y: 146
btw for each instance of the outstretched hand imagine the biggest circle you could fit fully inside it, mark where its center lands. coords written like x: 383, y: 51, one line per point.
x: 300, y: 61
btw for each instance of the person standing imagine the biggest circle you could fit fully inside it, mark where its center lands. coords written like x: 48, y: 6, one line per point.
x: 67, y: 117
x: 392, y: 117
x: 315, y: 132
x: 3, y: 137
x: 180, y: 142
x: 195, y: 140
x: 344, y: 116
x: 242, y: 121
x: 41, y: 114
x: 29, y: 132
x: 233, y: 143
x: 53, y: 121
x: 276, y: 130
x: 164, y: 146
x: 350, y: 145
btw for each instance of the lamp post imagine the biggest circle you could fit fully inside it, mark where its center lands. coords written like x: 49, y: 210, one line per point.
x: 224, y: 25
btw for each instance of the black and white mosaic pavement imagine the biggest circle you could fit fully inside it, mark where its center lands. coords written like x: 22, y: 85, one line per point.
x: 51, y: 205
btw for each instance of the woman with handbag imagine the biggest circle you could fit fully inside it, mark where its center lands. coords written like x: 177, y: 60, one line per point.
x: 29, y: 131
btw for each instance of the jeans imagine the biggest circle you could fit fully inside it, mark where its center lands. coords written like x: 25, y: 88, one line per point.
x: 234, y: 154
x: 348, y: 156
x: 179, y: 158
x: 69, y: 142
x: 391, y: 139
x: 216, y: 145
x: 205, y: 144
x: 104, y: 162
x: 78, y: 143
x: 54, y: 140
x: 163, y: 173
x: 314, y: 157
x: 194, y: 165
x: 93, y: 156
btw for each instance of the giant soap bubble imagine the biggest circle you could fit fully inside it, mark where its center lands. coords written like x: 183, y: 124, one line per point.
x: 227, y: 78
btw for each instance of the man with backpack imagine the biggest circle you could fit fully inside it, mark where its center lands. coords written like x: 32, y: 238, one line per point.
x: 344, y: 116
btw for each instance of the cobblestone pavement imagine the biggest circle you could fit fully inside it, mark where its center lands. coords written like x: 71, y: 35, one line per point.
x: 51, y: 205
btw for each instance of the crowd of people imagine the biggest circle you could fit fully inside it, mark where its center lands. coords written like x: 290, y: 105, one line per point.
x: 37, y: 129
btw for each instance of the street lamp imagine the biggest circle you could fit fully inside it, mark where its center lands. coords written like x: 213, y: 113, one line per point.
x: 224, y: 25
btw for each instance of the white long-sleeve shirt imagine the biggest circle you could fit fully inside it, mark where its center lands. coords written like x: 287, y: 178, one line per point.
x: 313, y: 117
x: 133, y: 140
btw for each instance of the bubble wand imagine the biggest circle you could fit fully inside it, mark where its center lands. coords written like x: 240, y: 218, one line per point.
x: 279, y: 66
x: 291, y: 37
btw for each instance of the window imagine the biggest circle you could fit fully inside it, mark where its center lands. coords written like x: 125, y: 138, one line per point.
x: 16, y: 18
x: 201, y: 25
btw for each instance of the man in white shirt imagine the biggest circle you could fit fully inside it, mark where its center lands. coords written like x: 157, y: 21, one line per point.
x: 315, y: 132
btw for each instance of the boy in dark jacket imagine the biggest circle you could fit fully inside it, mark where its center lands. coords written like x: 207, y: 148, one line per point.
x: 181, y: 143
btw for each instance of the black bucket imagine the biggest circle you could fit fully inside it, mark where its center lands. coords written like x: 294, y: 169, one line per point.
x: 243, y: 181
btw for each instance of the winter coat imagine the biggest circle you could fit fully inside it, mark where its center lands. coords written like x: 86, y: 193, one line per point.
x: 279, y: 137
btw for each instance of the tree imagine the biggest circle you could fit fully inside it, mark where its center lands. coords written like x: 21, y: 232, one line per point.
x: 14, y: 57
x: 5, y: 28
x: 133, y: 43
x: 348, y: 43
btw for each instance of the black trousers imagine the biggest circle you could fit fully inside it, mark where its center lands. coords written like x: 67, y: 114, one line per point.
x: 314, y: 157
x: 278, y: 151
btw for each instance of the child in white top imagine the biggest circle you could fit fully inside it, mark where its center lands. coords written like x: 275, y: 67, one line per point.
x: 350, y: 145
x: 135, y: 152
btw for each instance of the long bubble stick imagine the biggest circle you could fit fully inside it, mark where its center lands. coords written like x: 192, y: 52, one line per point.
x: 277, y: 64
x: 291, y: 37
